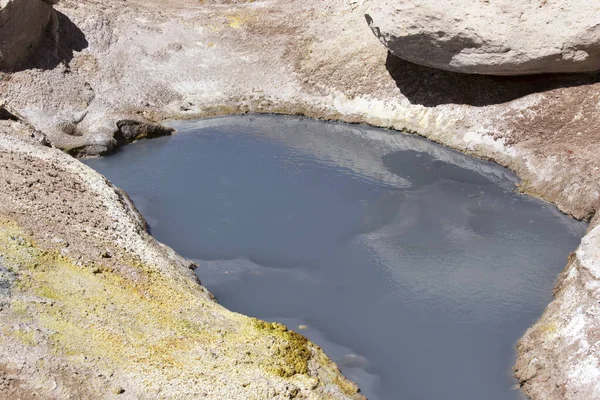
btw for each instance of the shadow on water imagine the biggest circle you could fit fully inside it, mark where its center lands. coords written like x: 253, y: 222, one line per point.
x: 51, y: 53
x: 432, y: 87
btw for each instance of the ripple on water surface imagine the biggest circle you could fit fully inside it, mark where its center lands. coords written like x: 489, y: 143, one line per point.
x: 415, y: 267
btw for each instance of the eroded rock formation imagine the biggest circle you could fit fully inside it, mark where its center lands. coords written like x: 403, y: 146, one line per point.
x: 496, y: 37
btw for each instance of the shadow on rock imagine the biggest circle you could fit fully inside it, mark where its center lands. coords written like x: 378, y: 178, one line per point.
x: 56, y: 49
x: 432, y: 87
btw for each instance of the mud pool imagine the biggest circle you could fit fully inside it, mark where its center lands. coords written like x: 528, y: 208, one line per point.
x: 415, y: 267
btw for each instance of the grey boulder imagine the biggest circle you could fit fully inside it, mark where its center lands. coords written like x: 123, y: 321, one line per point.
x: 495, y: 37
x: 22, y: 24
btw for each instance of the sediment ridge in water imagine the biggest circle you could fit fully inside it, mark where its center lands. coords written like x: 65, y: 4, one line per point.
x: 407, y: 262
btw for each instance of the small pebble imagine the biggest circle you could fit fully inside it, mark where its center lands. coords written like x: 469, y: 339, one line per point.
x: 118, y: 390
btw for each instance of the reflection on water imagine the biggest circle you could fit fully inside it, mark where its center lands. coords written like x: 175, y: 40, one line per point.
x: 416, y: 268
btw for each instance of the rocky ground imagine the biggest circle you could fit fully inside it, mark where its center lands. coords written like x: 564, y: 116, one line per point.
x: 114, y: 70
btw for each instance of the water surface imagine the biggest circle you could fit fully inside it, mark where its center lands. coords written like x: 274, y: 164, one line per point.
x: 415, y: 267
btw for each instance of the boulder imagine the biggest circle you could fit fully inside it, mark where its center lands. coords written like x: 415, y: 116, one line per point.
x: 131, y: 130
x: 22, y: 24
x: 494, y: 37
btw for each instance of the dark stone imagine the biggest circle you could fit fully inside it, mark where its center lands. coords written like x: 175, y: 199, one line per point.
x: 7, y: 115
x: 131, y: 130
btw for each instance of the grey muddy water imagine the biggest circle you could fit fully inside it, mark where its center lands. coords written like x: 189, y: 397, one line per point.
x: 416, y: 268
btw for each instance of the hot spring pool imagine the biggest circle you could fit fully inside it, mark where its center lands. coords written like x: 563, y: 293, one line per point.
x: 416, y: 268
